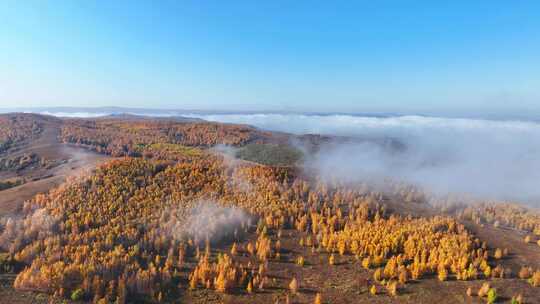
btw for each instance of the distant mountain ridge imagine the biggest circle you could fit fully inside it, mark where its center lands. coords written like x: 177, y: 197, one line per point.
x: 106, y: 111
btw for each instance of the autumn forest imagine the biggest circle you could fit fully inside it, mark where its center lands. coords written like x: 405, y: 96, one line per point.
x: 189, y: 211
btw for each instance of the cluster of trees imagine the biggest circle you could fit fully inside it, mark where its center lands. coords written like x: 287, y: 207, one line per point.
x: 18, y: 127
x: 129, y: 137
x: 223, y: 275
x: 511, y: 215
x: 398, y: 248
x: 533, y: 277
x: 21, y: 162
x: 10, y: 183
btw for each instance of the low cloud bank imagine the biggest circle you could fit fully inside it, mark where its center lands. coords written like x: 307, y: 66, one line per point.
x: 215, y: 222
x: 490, y: 159
x: 16, y: 232
x: 206, y: 221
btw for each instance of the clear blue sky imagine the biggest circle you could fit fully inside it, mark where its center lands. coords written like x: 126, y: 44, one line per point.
x: 402, y: 56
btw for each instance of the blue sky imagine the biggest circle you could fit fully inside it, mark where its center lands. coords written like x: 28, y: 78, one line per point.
x: 370, y: 56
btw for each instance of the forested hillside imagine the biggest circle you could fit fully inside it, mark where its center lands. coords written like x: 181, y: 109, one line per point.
x: 130, y: 137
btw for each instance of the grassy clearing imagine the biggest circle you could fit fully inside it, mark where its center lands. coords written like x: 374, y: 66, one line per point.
x: 270, y: 154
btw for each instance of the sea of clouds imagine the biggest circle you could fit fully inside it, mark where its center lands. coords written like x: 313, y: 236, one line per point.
x: 487, y: 158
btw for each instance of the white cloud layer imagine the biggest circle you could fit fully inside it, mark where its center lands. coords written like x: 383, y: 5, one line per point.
x: 492, y: 159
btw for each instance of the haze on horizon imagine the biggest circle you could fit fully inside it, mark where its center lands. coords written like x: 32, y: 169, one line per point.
x: 455, y: 59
